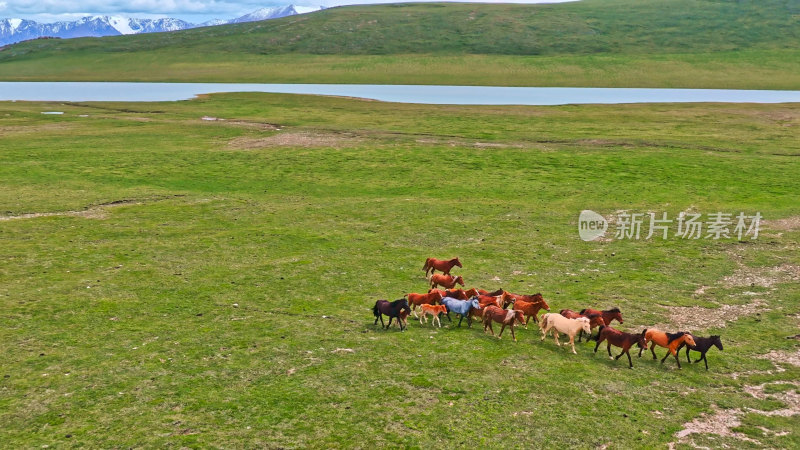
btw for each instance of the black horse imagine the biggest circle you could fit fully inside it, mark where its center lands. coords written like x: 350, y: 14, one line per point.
x: 393, y: 310
x: 702, y: 345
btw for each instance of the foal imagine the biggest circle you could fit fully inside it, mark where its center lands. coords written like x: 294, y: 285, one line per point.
x: 702, y: 345
x: 620, y: 339
x: 433, y: 310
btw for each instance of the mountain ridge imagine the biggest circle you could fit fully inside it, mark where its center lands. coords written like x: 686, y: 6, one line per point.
x: 13, y: 30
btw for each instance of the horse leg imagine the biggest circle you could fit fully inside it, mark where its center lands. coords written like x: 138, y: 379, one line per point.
x: 580, y: 336
x: 460, y: 319
x: 390, y: 322
x: 501, y: 331
x: 383, y: 325
x: 665, y: 358
x: 608, y: 347
x: 678, y: 360
x: 630, y: 363
x: 599, y: 340
x: 414, y: 310
x: 436, y: 319
x: 469, y: 320
x: 448, y: 316
x: 572, y: 342
x: 702, y: 355
x: 652, y: 350
x: 705, y: 360
x: 512, y: 333
x: 555, y: 335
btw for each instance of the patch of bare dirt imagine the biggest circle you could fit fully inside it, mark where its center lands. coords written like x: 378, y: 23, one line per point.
x: 692, y: 318
x: 787, y: 224
x: 783, y: 357
x: 295, y: 139
x: 720, y: 423
x: 91, y: 212
x: 790, y: 397
x: 762, y: 276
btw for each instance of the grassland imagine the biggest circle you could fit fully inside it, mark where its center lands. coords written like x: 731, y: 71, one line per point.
x: 616, y: 43
x: 181, y: 282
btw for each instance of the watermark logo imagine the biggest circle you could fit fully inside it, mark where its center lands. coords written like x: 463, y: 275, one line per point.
x: 591, y: 225
x: 636, y: 226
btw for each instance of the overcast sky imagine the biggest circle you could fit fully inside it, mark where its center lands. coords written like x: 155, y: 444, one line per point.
x: 189, y: 10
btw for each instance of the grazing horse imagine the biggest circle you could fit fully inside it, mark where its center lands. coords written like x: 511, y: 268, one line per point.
x: 442, y: 265
x: 670, y: 341
x: 702, y: 345
x: 423, y: 299
x: 595, y: 320
x: 447, y: 281
x: 620, y: 339
x: 507, y: 317
x: 608, y: 315
x: 391, y: 309
x: 433, y: 310
x: 461, y: 307
x: 559, y: 323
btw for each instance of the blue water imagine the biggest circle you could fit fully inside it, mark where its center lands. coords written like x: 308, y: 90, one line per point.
x: 443, y: 95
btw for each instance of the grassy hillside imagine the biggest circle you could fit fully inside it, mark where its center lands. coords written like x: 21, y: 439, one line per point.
x: 171, y: 281
x: 712, y: 43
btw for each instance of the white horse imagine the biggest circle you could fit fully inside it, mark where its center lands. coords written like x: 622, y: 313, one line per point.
x: 570, y: 327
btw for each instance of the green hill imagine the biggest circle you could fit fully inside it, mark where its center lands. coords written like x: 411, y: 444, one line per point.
x: 541, y: 44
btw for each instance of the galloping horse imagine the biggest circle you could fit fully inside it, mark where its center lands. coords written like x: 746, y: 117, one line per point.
x: 461, y: 307
x: 432, y: 310
x: 670, y: 341
x: 507, y: 318
x: 608, y: 315
x: 559, y: 323
x: 442, y: 265
x: 423, y: 299
x: 528, y: 304
x: 595, y: 320
x: 620, y: 339
x: 702, y: 345
x: 447, y: 281
x: 391, y: 309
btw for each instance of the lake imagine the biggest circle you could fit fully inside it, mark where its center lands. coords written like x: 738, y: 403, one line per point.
x: 443, y: 95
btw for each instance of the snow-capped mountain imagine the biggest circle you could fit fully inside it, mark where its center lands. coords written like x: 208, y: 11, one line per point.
x: 16, y: 30
x: 274, y: 13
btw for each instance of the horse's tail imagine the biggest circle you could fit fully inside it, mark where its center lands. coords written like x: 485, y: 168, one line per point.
x: 427, y: 265
x: 597, y: 337
x: 375, y: 311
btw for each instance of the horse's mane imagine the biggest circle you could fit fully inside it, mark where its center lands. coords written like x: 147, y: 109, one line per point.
x: 592, y: 316
x: 672, y: 336
x: 612, y: 310
x: 583, y: 311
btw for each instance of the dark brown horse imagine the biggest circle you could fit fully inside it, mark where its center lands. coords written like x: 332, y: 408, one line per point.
x: 397, y: 309
x: 507, y: 317
x: 446, y: 281
x: 702, y: 345
x: 608, y: 315
x: 620, y: 339
x: 442, y: 265
x: 595, y: 320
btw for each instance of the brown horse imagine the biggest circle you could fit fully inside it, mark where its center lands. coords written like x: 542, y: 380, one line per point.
x: 595, y: 320
x: 442, y: 265
x: 496, y: 300
x: 446, y: 281
x: 620, y: 339
x: 507, y: 317
x: 670, y: 341
x: 530, y: 304
x: 472, y: 292
x: 423, y: 299
x: 608, y: 315
x: 493, y: 293
x: 456, y: 293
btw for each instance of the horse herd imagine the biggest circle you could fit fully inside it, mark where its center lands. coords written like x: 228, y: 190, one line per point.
x: 510, y: 309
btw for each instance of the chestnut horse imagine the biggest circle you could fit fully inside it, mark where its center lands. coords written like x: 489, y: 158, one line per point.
x: 670, y: 341
x: 433, y: 310
x: 493, y: 293
x: 702, y: 345
x: 423, y: 299
x: 608, y: 315
x: 442, y: 265
x: 447, y: 281
x: 397, y: 309
x: 595, y: 320
x: 507, y: 317
x: 559, y: 323
x: 620, y: 339
x: 528, y: 304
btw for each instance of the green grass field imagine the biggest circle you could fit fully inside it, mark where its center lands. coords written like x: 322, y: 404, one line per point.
x: 171, y: 281
x: 613, y: 43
